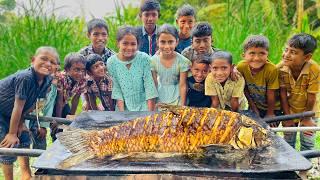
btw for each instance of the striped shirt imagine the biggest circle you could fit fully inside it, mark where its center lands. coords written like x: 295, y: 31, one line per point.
x: 24, y: 85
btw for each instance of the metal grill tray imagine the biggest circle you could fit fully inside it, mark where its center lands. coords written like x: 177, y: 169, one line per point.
x: 280, y: 157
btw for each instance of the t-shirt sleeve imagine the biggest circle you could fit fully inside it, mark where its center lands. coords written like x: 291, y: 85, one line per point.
x: 238, y: 90
x: 184, y: 64
x: 314, y: 83
x: 116, y: 89
x: 22, y: 85
x: 273, y: 78
x: 210, y: 90
x: 150, y: 88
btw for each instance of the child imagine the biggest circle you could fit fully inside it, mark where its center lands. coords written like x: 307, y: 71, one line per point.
x: 19, y: 92
x: 149, y: 14
x: 98, y: 32
x: 99, y: 84
x: 299, y: 84
x: 45, y: 108
x: 201, y: 41
x: 133, y: 86
x: 185, y: 19
x: 225, y: 93
x: 195, y: 95
x: 261, y: 76
x: 71, y: 84
x: 169, y: 68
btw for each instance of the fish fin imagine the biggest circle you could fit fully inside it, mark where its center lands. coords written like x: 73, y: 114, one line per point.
x: 75, y: 159
x: 77, y: 142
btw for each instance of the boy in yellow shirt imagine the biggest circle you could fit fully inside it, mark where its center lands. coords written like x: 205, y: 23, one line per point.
x: 299, y: 78
x: 225, y: 93
x: 261, y: 76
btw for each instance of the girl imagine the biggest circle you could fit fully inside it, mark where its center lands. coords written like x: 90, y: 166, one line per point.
x: 169, y: 68
x: 133, y: 86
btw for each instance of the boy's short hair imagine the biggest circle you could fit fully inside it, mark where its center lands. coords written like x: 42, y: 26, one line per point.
x: 185, y: 10
x: 201, y: 29
x: 49, y: 49
x: 97, y: 23
x: 72, y: 58
x: 202, y: 59
x: 222, y: 55
x: 303, y: 41
x: 91, y: 60
x: 149, y: 5
x: 255, y: 41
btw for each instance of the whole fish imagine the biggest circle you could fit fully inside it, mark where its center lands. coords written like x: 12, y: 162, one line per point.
x: 177, y: 130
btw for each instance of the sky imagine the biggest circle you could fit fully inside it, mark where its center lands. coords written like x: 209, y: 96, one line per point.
x: 73, y: 8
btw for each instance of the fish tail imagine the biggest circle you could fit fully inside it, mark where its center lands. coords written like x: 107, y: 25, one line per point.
x: 77, y: 142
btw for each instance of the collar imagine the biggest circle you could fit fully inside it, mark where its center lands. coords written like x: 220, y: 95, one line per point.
x: 91, y: 51
x: 144, y: 32
x: 305, y: 69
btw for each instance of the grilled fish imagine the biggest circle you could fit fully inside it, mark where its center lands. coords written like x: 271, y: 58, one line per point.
x: 176, y: 130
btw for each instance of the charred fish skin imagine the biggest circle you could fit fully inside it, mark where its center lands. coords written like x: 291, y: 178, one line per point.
x: 183, y: 131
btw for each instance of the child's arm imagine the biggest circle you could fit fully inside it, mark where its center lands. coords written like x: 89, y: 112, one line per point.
x: 311, y: 101
x: 234, y: 104
x: 11, y: 138
x: 154, y: 76
x: 74, y: 103
x: 284, y: 100
x: 271, y: 101
x: 91, y: 101
x: 151, y: 104
x: 120, y: 105
x: 251, y: 103
x: 183, y: 87
x: 215, y: 101
x: 59, y: 103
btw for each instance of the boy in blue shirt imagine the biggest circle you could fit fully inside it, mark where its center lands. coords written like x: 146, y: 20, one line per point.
x: 149, y: 14
x: 18, y: 95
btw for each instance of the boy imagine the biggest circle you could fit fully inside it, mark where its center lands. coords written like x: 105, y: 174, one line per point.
x: 225, y: 93
x: 299, y: 84
x: 149, y: 14
x: 185, y: 19
x: 98, y: 32
x: 71, y: 84
x: 261, y: 76
x: 99, y: 84
x: 18, y: 94
x: 195, y: 93
x: 201, y: 41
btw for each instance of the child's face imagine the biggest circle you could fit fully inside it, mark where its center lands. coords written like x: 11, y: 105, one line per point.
x: 220, y: 69
x: 256, y: 57
x: 44, y: 63
x: 201, y: 44
x: 128, y: 47
x: 149, y: 18
x: 98, y: 37
x: 167, y: 43
x: 98, y: 70
x: 294, y: 57
x: 185, y: 24
x: 77, y: 71
x: 199, y: 71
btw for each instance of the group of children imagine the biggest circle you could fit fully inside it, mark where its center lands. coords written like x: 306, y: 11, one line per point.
x: 157, y: 65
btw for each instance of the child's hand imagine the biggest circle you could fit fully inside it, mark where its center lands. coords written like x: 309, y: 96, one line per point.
x: 9, y: 141
x: 42, y: 133
x: 235, y: 74
x: 275, y: 124
x: 308, y: 123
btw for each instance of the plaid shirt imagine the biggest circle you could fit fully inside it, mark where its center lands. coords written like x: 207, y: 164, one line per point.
x: 89, y: 50
x: 69, y: 86
x: 102, y: 89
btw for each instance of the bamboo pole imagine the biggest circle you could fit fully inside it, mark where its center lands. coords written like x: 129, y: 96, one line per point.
x: 21, y: 152
x: 294, y: 129
x: 49, y: 119
x: 289, y: 117
x: 300, y: 10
